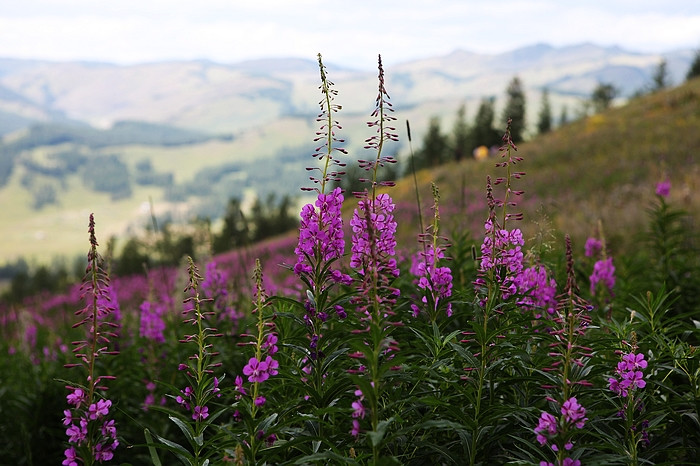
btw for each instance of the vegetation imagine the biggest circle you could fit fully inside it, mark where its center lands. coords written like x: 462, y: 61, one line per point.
x: 561, y: 337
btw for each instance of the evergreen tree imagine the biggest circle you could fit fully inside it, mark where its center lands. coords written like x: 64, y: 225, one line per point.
x: 483, y: 133
x: 544, y: 122
x: 462, y: 143
x: 661, y: 78
x: 694, y: 70
x: 564, y: 115
x: 235, y: 232
x: 435, y: 147
x: 602, y: 96
x: 515, y: 109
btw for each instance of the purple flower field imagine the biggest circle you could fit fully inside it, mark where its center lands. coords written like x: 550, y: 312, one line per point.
x: 340, y: 345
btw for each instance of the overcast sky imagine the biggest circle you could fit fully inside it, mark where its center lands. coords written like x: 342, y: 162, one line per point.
x: 348, y: 33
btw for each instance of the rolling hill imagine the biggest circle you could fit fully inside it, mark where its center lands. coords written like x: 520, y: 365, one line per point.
x: 186, y: 136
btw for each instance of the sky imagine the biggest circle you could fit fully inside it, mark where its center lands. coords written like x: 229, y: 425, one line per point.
x: 349, y: 33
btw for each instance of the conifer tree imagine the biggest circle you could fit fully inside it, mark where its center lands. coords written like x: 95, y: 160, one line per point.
x: 602, y: 96
x: 544, y: 122
x: 515, y: 109
x: 434, y: 150
x: 483, y: 133
x: 661, y: 77
x: 694, y: 70
x: 462, y: 143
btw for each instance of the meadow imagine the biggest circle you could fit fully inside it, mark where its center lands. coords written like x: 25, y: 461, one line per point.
x: 378, y: 335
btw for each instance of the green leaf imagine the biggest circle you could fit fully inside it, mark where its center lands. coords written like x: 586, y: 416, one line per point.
x: 151, y: 450
x: 185, y: 428
x: 377, y: 436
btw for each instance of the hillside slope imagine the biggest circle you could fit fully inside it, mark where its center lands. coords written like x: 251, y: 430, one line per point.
x: 604, y: 167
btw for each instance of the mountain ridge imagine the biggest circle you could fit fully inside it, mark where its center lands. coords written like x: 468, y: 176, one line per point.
x: 233, y: 97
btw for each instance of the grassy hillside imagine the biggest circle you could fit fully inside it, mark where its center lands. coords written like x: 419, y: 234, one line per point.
x: 604, y: 167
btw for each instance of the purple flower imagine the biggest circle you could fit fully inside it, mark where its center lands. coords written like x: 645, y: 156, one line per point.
x: 256, y: 370
x: 634, y: 361
x: 259, y: 401
x: 663, y: 188
x: 109, y: 430
x: 358, y: 409
x: 570, y: 462
x: 593, y: 247
x: 546, y: 428
x: 104, y: 452
x: 238, y: 386
x: 270, y: 344
x: 77, y: 397
x: 68, y: 417
x: 71, y: 457
x: 632, y: 380
x: 272, y: 366
x: 200, y: 412
x: 152, y: 324
x: 99, y: 409
x: 574, y: 413
x: 355, y: 431
x: 501, y: 251
x: 537, y: 291
x: 436, y: 280
x: 374, y: 235
x: 603, y: 272
x: 76, y: 434
x: 630, y: 374
x: 320, y: 231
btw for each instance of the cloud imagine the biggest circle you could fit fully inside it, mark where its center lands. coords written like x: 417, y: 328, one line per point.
x: 347, y: 33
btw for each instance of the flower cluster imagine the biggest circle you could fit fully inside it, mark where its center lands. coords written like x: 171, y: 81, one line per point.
x: 501, y: 252
x: 629, y: 375
x: 374, y: 233
x: 88, y: 443
x: 603, y: 272
x: 321, y: 235
x: 434, y: 279
x: 152, y: 324
x: 592, y: 247
x: 79, y: 420
x: 358, y: 412
x: 536, y: 290
x: 663, y: 189
x: 555, y: 432
x: 374, y: 247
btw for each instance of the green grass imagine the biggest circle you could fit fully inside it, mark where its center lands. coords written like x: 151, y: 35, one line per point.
x: 604, y: 167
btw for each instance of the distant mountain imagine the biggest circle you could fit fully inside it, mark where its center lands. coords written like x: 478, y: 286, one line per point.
x: 215, y: 97
x: 182, y: 138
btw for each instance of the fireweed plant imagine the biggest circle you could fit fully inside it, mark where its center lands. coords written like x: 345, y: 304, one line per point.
x: 489, y: 358
x: 567, y: 370
x: 374, y: 260
x: 196, y: 399
x: 92, y: 434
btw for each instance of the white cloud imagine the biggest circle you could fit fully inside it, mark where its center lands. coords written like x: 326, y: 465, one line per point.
x: 349, y: 34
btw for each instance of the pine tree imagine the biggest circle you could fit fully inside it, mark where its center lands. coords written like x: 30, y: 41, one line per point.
x: 661, y: 78
x: 515, y: 109
x: 694, y: 70
x: 544, y: 123
x: 236, y: 230
x: 462, y: 143
x: 564, y: 115
x: 435, y: 147
x: 603, y: 96
x: 483, y: 133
